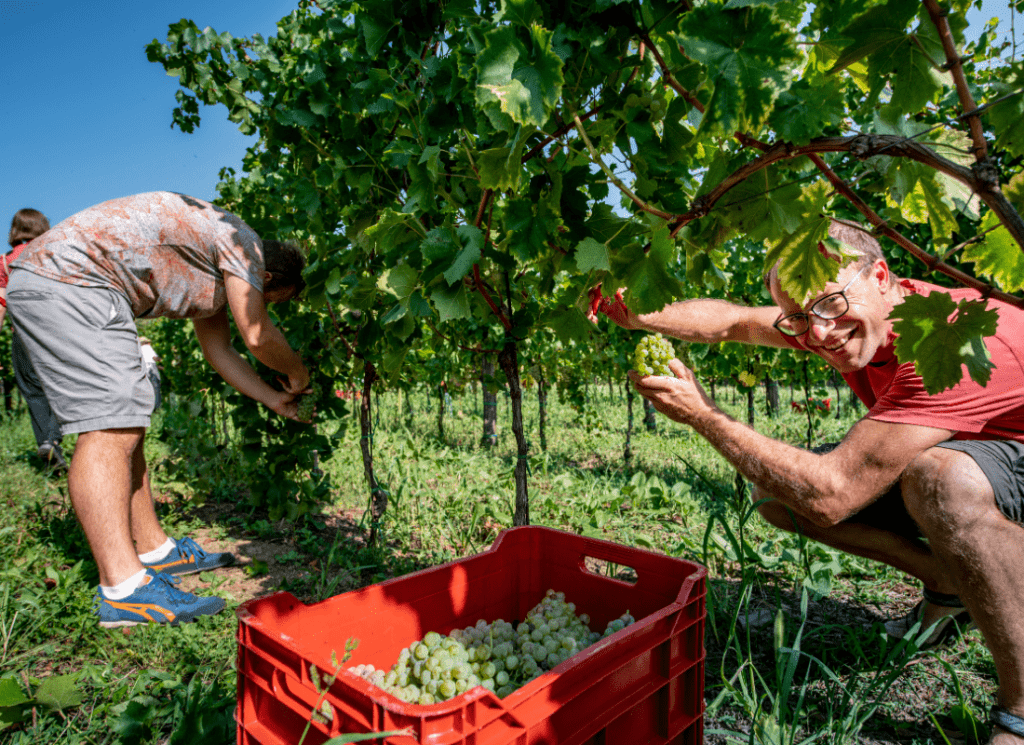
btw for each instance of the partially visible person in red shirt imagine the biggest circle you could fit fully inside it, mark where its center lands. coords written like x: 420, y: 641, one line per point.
x: 930, y: 484
x: 26, y: 225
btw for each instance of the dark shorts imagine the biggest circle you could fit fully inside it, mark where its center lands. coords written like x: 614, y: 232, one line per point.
x: 1002, y: 462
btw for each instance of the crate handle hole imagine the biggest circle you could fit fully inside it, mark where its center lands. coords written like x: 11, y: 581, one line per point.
x: 609, y: 570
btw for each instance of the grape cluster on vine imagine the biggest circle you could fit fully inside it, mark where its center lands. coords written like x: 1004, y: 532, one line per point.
x: 307, y: 404
x: 652, y: 355
x: 496, y: 655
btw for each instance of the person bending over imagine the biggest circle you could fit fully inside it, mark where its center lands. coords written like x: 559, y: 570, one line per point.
x: 74, y: 295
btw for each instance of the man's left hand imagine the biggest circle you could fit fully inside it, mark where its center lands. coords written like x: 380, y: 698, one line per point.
x: 681, y: 398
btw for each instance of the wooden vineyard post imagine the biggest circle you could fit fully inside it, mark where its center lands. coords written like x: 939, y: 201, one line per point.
x: 627, y: 453
x: 508, y: 358
x: 490, y: 435
x: 440, y: 410
x: 378, y: 496
x: 542, y: 404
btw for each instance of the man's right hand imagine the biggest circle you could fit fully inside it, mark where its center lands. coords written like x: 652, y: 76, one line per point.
x: 287, y: 404
x: 613, y: 307
x: 295, y: 385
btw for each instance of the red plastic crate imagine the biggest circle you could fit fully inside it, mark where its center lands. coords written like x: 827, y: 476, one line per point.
x: 644, y: 684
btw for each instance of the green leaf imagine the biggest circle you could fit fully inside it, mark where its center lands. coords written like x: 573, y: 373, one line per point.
x: 525, y: 82
x: 398, y: 281
x: 468, y: 256
x: 805, y: 111
x: 747, y: 54
x: 452, y: 303
x: 592, y: 255
x: 880, y: 35
x: 997, y: 256
x: 59, y: 692
x: 521, y: 12
x: 651, y: 285
x: 569, y: 324
x: 939, y: 344
x: 11, y: 693
x: 500, y: 169
x: 804, y: 269
x: 307, y: 198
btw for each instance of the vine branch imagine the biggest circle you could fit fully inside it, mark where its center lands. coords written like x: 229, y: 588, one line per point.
x: 613, y: 178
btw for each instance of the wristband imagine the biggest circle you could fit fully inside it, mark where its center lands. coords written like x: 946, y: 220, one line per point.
x: 3, y: 301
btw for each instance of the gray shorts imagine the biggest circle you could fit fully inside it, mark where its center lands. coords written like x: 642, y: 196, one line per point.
x: 85, y: 349
x: 1002, y: 462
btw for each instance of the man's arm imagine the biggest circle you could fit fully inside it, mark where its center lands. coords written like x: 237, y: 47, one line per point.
x: 261, y: 336
x: 704, y: 320
x: 827, y: 488
x: 214, y: 334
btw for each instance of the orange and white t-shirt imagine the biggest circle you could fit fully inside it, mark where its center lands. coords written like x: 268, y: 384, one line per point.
x: 166, y: 253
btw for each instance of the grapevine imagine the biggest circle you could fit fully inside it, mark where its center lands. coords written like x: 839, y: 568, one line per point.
x: 652, y: 355
x: 496, y: 655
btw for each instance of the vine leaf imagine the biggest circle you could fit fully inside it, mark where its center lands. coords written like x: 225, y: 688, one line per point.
x: 879, y: 37
x: 469, y: 255
x: 941, y: 337
x: 452, y: 303
x: 651, y: 286
x: 592, y: 255
x: 526, y: 83
x: 748, y: 53
x: 804, y: 268
x: 997, y: 256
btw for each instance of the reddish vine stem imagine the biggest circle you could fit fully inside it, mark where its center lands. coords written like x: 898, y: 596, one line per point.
x: 484, y: 199
x: 934, y: 264
x: 956, y: 69
x: 487, y: 298
x: 341, y: 334
x: 636, y: 70
x: 669, y: 77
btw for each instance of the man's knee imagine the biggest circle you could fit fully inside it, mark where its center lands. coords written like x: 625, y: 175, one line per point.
x: 945, y: 490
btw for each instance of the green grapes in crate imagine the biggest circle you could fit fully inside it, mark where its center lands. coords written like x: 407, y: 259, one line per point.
x: 652, y: 355
x: 307, y: 404
x: 496, y: 655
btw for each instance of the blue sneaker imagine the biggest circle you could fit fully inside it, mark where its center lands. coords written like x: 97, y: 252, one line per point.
x: 157, y: 601
x: 188, y: 558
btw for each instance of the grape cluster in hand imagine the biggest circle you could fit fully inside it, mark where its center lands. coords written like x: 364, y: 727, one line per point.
x: 652, y: 355
x: 307, y: 404
x: 495, y: 655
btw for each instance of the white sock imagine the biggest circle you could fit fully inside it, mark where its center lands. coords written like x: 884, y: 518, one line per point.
x: 123, y: 589
x: 158, y: 553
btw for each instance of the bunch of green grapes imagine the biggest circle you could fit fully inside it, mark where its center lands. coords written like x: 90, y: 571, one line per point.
x: 495, y: 655
x: 307, y: 404
x: 652, y: 355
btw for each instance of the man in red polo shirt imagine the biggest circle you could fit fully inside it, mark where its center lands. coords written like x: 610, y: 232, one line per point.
x: 947, y: 467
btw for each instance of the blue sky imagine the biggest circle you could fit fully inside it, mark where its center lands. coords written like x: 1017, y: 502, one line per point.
x: 87, y: 118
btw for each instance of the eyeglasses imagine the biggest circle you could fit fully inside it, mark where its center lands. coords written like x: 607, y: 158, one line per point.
x: 828, y: 308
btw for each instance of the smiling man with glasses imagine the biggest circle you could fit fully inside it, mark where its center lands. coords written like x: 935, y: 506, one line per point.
x: 930, y: 484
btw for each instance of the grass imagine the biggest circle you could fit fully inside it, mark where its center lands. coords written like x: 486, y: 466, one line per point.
x: 795, y: 650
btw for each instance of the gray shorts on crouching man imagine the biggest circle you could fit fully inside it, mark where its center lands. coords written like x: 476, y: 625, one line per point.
x: 1002, y: 462
x: 85, y: 349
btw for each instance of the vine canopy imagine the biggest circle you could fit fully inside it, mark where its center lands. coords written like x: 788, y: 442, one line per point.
x: 494, y: 160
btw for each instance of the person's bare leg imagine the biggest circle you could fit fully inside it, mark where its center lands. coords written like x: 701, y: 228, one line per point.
x: 906, y: 554
x: 145, y: 526
x: 100, y: 483
x: 950, y: 498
